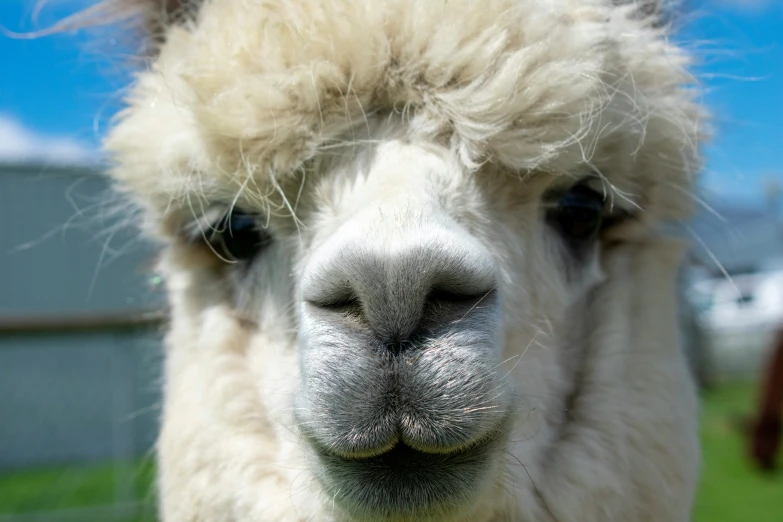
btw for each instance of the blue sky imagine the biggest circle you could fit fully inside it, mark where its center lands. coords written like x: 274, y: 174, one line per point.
x: 60, y: 91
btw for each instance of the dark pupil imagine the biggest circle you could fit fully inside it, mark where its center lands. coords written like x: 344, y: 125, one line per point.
x: 579, y: 213
x: 240, y: 237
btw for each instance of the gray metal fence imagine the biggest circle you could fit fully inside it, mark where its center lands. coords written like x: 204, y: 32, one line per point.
x: 79, y: 414
x: 79, y: 365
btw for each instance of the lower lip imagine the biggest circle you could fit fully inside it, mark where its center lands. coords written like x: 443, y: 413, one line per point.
x: 404, y: 482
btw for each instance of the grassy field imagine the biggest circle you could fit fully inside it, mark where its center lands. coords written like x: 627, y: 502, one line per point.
x: 81, y: 491
x: 731, y: 490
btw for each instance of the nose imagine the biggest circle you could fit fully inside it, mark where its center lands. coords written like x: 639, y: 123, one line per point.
x: 397, y: 277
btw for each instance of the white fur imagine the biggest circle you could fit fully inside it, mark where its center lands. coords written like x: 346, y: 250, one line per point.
x: 399, y: 122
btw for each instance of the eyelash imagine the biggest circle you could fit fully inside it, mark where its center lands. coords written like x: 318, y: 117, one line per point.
x: 234, y: 236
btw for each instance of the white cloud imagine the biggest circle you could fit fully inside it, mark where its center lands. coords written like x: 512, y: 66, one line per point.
x: 19, y: 144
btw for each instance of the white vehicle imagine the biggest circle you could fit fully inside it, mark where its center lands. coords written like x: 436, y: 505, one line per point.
x: 739, y: 317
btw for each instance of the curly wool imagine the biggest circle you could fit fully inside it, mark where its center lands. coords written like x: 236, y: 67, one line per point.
x: 523, y: 84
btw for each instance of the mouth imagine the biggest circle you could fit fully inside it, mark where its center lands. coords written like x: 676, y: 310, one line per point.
x: 404, y: 482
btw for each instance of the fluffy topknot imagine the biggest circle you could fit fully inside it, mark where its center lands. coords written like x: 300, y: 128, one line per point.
x: 151, y: 19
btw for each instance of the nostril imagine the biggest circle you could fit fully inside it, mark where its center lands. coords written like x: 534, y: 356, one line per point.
x: 456, y: 296
x: 337, y: 302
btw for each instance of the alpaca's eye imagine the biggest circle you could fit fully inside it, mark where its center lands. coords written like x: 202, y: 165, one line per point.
x: 238, y: 236
x: 578, y: 214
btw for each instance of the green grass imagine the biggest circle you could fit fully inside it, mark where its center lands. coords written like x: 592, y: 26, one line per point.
x: 731, y: 489
x: 42, y: 490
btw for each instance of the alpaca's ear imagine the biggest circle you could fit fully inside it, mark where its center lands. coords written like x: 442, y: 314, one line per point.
x: 660, y: 11
x: 150, y: 19
x: 160, y: 14
x: 156, y: 15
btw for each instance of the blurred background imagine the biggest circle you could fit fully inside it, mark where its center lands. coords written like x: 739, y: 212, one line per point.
x: 80, y: 325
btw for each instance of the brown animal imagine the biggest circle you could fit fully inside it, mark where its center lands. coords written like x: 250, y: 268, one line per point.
x: 765, y: 432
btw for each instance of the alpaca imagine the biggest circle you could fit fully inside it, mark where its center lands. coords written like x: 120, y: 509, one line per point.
x: 417, y: 258
x: 765, y: 429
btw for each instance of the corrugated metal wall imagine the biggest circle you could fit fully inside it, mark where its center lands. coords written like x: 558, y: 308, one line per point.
x: 78, y: 383
x: 77, y: 397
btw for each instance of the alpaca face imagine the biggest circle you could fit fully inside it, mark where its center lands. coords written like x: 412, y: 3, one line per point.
x: 397, y: 239
x: 405, y: 337
x: 409, y: 286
